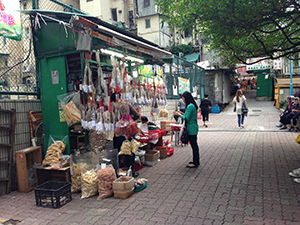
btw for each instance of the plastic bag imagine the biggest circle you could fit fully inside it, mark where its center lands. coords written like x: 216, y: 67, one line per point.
x: 121, y: 126
x: 164, y: 113
x: 75, y: 173
x: 54, y: 151
x: 199, y: 115
x: 97, y: 141
x: 71, y: 104
x: 88, y: 176
x: 132, y: 128
x: 105, y: 177
x: 88, y: 184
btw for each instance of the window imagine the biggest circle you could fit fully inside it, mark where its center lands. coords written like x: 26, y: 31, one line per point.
x: 131, y: 20
x: 146, y: 3
x: 89, y: 0
x: 114, y: 15
x: 148, y: 25
x: 187, y: 33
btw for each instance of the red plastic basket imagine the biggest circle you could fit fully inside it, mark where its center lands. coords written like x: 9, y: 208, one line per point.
x: 175, y: 127
x: 170, y: 151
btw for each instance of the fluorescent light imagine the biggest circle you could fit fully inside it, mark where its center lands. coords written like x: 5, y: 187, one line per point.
x: 120, y: 55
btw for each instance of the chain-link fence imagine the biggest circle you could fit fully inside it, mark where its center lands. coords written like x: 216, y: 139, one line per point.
x: 183, y: 76
x: 18, y: 71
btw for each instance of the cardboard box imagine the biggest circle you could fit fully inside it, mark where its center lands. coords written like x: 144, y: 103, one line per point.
x: 166, y: 125
x: 163, y: 151
x: 123, y: 194
x: 152, y: 155
x: 25, y: 159
x: 123, y: 183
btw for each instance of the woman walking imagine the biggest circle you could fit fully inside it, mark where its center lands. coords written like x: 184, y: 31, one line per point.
x: 190, y: 117
x: 238, y: 100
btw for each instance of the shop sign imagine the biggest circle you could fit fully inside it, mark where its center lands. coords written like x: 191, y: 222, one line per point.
x: 10, y: 25
x: 242, y: 69
x: 277, y: 63
x: 54, y: 75
x: 183, y: 85
x: 150, y: 71
x: 261, y: 65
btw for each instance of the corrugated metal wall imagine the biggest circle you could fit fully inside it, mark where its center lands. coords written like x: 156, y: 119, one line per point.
x: 22, y: 132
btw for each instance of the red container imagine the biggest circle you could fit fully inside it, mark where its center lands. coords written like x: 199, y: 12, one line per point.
x: 170, y: 151
x: 175, y: 127
x: 137, y: 167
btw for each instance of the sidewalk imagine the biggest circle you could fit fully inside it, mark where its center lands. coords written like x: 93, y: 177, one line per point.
x: 243, y: 179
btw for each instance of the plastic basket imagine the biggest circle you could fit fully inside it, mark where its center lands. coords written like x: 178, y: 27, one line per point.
x: 141, y: 187
x: 215, y: 109
x: 53, y: 194
x: 170, y: 151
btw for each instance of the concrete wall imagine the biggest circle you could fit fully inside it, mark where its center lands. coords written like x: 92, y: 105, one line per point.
x: 284, y: 92
x: 218, y: 85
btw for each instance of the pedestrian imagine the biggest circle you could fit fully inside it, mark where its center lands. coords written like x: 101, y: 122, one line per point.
x: 180, y: 107
x: 238, y: 100
x: 190, y: 117
x: 205, y: 106
x: 285, y: 116
x: 293, y: 115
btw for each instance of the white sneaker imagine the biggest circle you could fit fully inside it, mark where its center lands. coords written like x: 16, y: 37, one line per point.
x: 297, y: 180
x: 295, y: 173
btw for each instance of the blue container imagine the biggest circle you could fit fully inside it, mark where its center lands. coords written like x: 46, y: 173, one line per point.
x: 215, y: 109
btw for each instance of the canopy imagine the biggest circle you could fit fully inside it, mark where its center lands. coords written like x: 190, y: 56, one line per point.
x: 192, y: 57
x: 285, y: 82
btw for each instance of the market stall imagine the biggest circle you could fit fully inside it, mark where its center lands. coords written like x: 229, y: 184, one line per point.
x: 92, y: 82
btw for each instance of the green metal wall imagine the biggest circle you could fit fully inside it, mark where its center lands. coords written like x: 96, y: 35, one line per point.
x: 264, y: 84
x: 53, y: 120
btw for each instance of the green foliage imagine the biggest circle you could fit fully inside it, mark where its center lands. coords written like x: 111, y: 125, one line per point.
x: 238, y: 29
x: 185, y: 49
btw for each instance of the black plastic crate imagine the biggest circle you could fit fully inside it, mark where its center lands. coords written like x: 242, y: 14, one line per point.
x: 53, y: 194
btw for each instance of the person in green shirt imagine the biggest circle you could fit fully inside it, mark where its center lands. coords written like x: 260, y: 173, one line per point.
x: 190, y: 116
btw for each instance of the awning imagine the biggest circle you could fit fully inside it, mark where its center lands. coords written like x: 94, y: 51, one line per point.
x: 192, y: 57
x: 285, y: 82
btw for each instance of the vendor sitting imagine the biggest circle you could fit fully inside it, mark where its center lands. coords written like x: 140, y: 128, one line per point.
x: 151, y: 125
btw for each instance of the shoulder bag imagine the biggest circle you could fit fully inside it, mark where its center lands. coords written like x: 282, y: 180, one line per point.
x: 184, y: 134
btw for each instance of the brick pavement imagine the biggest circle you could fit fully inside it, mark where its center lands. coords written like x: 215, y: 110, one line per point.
x: 243, y: 179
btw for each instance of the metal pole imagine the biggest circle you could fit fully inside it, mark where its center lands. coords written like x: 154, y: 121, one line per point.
x: 291, y: 78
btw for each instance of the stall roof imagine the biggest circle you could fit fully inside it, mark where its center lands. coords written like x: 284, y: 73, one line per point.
x: 285, y: 82
x: 192, y: 57
x: 117, y: 35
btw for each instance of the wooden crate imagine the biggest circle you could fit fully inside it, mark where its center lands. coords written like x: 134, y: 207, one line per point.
x: 47, y: 174
x: 25, y: 159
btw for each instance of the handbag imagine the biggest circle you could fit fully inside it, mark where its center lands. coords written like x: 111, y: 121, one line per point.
x: 244, y: 108
x: 234, y: 109
x: 184, y: 134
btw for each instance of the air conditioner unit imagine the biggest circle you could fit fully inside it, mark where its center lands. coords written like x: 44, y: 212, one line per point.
x: 26, y: 68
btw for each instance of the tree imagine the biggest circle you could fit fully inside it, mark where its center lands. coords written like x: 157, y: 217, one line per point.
x: 239, y: 29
